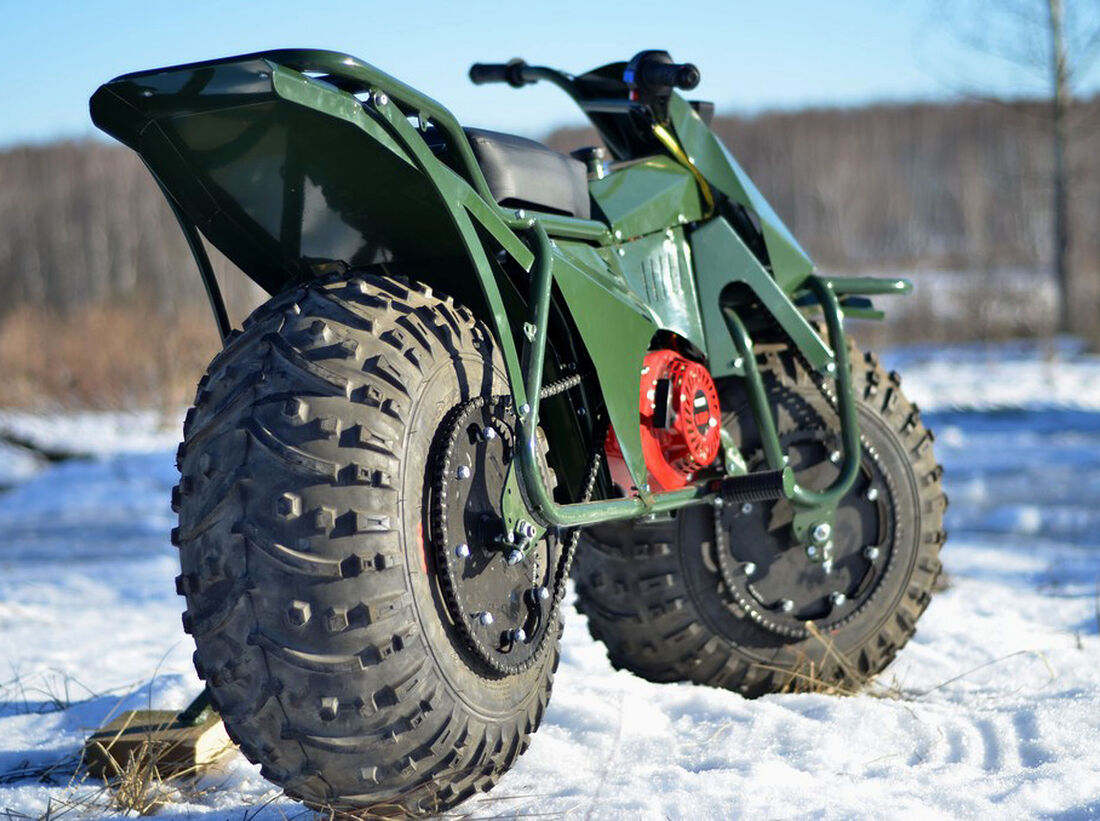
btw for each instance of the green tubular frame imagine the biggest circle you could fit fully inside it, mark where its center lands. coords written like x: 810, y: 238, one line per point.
x: 811, y: 506
x: 467, y: 198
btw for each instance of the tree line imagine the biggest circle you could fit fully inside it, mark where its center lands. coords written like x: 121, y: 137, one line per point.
x: 952, y: 187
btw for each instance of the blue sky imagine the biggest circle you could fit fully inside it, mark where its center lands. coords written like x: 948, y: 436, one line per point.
x: 753, y: 55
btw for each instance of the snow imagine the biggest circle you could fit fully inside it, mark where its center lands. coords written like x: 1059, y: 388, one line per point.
x: 993, y: 710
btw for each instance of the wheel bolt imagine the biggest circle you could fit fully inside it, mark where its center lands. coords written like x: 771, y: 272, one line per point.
x: 811, y: 551
x: 834, y: 457
x: 822, y: 532
x: 489, y: 433
x: 750, y: 568
x: 746, y: 508
x: 462, y: 551
x: 836, y: 598
x: 513, y: 557
x: 485, y: 618
x: 872, y: 494
x: 786, y: 605
x: 463, y: 472
x: 542, y: 594
x: 519, y: 635
x: 870, y: 553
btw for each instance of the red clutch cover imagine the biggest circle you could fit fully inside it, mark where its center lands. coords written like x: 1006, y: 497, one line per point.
x: 680, y: 423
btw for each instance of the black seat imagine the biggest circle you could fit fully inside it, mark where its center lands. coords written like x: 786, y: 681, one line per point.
x: 522, y: 173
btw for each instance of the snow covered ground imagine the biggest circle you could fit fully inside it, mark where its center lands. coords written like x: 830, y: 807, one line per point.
x: 993, y: 710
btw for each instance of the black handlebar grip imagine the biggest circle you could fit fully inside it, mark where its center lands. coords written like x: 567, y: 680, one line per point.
x: 510, y: 72
x: 676, y: 75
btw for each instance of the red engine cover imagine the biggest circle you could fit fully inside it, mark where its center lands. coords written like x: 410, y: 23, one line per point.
x: 680, y: 423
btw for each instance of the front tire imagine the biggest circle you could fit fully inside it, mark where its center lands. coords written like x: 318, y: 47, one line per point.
x: 312, y: 588
x: 672, y: 602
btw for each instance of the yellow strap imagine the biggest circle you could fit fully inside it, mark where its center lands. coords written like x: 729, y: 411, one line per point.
x: 669, y: 142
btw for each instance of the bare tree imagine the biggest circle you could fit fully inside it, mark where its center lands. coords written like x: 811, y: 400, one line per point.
x: 1052, y: 43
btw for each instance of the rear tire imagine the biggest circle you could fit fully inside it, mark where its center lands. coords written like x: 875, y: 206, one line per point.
x: 656, y: 596
x: 311, y: 586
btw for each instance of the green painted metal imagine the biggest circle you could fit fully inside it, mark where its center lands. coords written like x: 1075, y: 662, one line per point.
x: 869, y: 286
x: 658, y: 269
x: 790, y: 265
x: 758, y: 395
x: 616, y: 327
x: 720, y: 258
x: 647, y: 196
x: 811, y: 506
x: 297, y: 162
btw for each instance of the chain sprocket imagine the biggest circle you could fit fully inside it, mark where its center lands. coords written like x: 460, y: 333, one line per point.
x: 523, y: 598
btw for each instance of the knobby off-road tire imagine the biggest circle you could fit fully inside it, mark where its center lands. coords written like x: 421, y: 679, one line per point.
x: 655, y: 594
x: 304, y: 537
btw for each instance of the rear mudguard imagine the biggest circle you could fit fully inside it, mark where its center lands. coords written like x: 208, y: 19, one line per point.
x: 299, y: 163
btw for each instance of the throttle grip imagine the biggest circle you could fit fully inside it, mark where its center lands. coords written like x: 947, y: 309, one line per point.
x: 510, y: 72
x: 675, y: 75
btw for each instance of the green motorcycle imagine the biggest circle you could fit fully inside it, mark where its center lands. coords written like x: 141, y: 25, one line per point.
x: 486, y: 367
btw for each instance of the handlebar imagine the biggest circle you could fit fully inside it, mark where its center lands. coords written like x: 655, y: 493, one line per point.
x: 510, y: 72
x: 676, y: 75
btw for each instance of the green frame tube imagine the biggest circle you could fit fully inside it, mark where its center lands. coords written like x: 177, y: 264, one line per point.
x: 823, y: 289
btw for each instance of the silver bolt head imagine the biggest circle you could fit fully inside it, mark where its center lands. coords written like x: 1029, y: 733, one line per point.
x: 836, y: 598
x: 738, y: 362
x: 525, y: 409
x: 485, y: 618
x: 513, y: 557
x: 381, y: 98
x: 719, y: 502
x: 463, y: 472
x: 786, y: 605
x: 835, y: 457
x: 462, y: 551
x: 746, y: 508
x: 870, y: 553
x: 519, y: 634
x: 872, y: 494
x: 489, y: 432
x: 822, y: 532
x: 811, y: 551
x: 529, y: 530
x: 521, y: 214
x: 830, y: 368
x: 750, y: 568
x: 542, y: 593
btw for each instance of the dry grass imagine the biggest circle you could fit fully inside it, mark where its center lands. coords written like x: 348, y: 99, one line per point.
x: 104, y: 356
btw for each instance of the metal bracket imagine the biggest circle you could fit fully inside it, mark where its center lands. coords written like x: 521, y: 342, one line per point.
x: 812, y: 508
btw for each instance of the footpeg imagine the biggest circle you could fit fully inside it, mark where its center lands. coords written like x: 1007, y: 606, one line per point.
x: 761, y: 486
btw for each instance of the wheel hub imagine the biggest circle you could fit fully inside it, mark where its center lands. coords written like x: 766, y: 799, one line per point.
x: 781, y: 583
x: 500, y: 597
